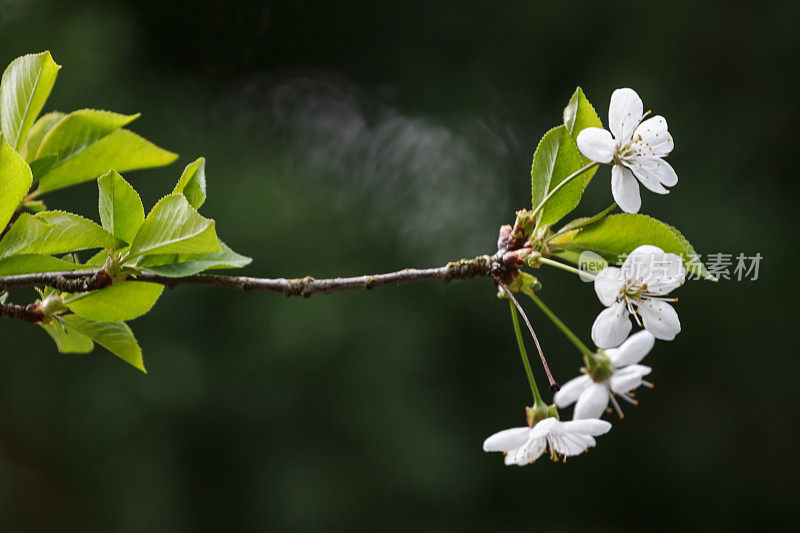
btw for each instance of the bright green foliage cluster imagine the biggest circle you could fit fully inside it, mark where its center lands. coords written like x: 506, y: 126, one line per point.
x: 610, y: 236
x: 57, y: 150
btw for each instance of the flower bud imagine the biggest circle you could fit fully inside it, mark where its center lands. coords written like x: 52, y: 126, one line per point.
x: 52, y: 305
x: 504, y: 237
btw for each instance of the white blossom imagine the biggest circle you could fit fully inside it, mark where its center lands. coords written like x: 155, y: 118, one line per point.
x: 635, y: 148
x: 639, y: 288
x: 591, y: 395
x: 523, y: 445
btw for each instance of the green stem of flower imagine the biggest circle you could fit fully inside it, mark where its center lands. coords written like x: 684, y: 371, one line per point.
x: 537, y: 398
x: 562, y: 266
x: 560, y: 185
x: 564, y: 329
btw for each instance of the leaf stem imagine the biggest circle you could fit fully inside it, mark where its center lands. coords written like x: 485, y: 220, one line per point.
x: 564, y: 329
x: 560, y: 185
x: 562, y: 266
x: 537, y: 398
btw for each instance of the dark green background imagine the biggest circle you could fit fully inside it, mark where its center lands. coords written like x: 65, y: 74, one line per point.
x: 352, y: 137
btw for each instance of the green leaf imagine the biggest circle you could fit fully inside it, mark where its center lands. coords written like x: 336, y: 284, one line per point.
x: 98, y: 259
x: 175, y: 227
x: 121, y: 150
x: 585, y: 221
x: 616, y: 235
x: 115, y: 337
x: 121, y: 209
x: 77, y: 131
x: 54, y: 232
x: 32, y: 264
x: 15, y: 181
x: 555, y: 159
x: 25, y: 86
x: 68, y: 340
x: 122, y: 301
x: 193, y: 183
x: 40, y: 128
x: 177, y: 265
x: 580, y: 114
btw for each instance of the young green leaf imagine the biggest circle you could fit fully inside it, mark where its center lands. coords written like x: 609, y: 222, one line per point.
x: 193, y: 183
x: 121, y: 150
x: 122, y: 301
x: 555, y: 159
x: 79, y: 130
x: 24, y: 88
x: 177, y: 265
x: 115, y: 337
x: 580, y: 114
x: 40, y: 128
x: 98, y: 259
x: 121, y: 209
x: 32, y: 264
x: 616, y: 235
x: 175, y: 227
x: 15, y: 180
x: 54, y: 232
x: 585, y: 221
x: 68, y: 340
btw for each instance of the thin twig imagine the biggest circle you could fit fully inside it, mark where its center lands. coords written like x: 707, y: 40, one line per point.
x: 553, y: 384
x: 81, y: 280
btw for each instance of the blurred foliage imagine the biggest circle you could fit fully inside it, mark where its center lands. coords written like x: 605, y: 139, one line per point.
x: 361, y: 137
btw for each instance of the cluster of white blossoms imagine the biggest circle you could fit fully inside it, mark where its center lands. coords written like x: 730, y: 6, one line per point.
x: 638, y: 289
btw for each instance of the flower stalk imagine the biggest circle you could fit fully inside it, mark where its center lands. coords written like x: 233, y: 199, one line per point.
x: 563, y: 327
x: 568, y: 268
x: 537, y: 398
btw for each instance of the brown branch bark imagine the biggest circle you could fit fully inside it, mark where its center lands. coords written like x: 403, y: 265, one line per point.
x: 86, y: 280
x: 29, y: 313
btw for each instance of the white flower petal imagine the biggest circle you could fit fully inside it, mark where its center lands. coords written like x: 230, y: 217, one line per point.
x: 608, y: 285
x: 570, y: 444
x: 589, y: 426
x: 624, y: 189
x: 506, y: 440
x: 527, y: 453
x: 652, y: 137
x: 611, y: 326
x: 632, y: 350
x: 624, y: 113
x: 643, y: 251
x: 628, y: 378
x: 657, y: 271
x: 592, y: 402
x: 653, y: 172
x: 543, y: 427
x: 597, y: 144
x: 659, y: 318
x: 571, y: 390
x: 665, y: 173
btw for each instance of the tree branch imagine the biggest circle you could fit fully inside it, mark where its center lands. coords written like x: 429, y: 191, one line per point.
x: 30, y: 313
x: 86, y: 280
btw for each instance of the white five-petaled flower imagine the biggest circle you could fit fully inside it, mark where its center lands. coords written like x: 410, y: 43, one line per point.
x: 523, y: 445
x: 624, y: 375
x: 639, y: 288
x: 636, y: 149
